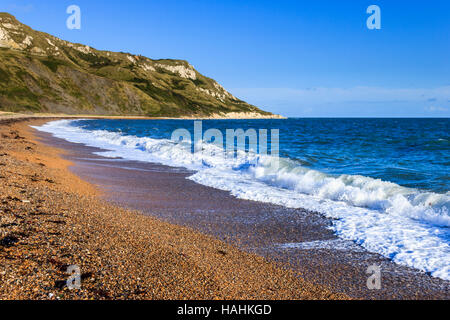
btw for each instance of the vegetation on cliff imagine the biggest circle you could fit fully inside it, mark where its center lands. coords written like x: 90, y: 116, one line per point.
x: 41, y: 73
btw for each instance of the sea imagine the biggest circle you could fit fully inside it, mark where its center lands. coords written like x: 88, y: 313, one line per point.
x: 384, y: 183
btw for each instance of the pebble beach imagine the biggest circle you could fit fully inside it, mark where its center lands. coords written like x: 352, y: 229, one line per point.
x: 51, y: 219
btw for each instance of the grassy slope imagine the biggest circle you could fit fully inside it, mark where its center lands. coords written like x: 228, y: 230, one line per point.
x: 46, y: 74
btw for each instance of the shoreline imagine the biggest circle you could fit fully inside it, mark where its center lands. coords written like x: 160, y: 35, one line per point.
x: 230, y: 116
x: 294, y: 238
x: 51, y: 219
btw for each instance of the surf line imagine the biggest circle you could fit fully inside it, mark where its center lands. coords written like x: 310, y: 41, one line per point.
x: 257, y: 141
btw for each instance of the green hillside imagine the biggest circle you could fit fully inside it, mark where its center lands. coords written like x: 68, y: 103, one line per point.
x: 41, y: 73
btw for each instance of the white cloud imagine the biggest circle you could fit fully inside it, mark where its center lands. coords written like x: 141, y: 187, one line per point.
x: 355, y: 94
x: 436, y: 109
x: 345, y: 102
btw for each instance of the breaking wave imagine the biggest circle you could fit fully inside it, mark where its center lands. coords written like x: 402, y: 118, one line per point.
x: 409, y: 226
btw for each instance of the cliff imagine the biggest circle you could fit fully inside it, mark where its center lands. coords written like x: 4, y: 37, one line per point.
x: 41, y: 73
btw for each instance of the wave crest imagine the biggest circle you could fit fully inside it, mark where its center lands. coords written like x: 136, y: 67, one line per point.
x: 407, y: 225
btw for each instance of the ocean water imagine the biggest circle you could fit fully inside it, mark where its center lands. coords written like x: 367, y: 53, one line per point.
x: 385, y: 182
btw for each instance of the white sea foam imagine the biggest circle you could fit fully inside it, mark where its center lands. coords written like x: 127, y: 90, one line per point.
x: 334, y: 244
x: 409, y: 226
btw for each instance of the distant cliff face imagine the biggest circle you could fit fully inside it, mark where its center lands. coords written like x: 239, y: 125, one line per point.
x: 41, y: 73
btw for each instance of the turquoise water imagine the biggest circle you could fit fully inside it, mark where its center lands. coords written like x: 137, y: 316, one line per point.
x: 384, y: 182
x: 410, y: 152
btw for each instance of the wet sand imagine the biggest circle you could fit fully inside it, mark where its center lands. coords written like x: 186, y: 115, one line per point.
x: 51, y: 219
x: 315, y: 253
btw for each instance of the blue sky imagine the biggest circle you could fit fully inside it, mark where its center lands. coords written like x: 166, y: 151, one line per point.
x: 297, y: 58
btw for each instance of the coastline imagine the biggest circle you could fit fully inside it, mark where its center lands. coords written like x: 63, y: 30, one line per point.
x: 229, y: 116
x: 51, y: 219
x: 295, y: 238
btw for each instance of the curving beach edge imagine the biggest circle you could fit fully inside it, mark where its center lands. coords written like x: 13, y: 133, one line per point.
x: 51, y: 219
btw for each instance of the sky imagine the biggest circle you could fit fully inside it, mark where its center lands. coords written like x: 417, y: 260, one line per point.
x: 295, y: 58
